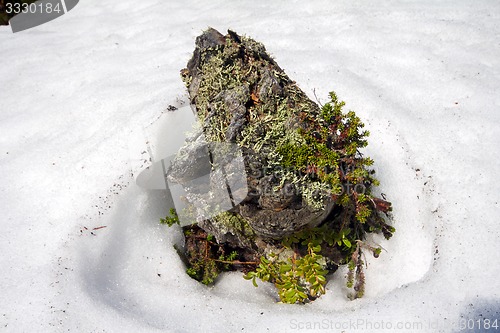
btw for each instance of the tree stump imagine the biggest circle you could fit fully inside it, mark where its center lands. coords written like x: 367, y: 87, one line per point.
x: 308, y: 187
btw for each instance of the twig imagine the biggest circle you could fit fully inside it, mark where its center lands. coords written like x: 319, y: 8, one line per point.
x: 97, y: 228
x: 317, y: 99
x: 237, y: 262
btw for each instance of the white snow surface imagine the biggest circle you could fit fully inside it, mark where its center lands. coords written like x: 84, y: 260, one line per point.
x: 424, y: 76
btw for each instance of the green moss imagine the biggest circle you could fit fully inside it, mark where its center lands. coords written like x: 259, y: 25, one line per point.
x: 172, y: 219
x: 296, y: 156
x: 204, y: 271
x: 205, y: 257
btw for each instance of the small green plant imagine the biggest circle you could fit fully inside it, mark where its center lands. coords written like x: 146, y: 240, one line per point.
x: 297, y: 279
x: 172, y: 219
x: 324, y: 235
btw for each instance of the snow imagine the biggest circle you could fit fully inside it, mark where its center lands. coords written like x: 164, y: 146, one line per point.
x: 424, y: 77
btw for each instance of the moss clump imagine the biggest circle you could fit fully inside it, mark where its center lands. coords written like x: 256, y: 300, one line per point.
x: 206, y: 259
x: 171, y: 219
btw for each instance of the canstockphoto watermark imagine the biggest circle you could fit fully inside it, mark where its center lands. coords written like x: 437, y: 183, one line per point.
x: 358, y: 325
x: 203, y: 179
x: 462, y: 324
x: 29, y: 14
